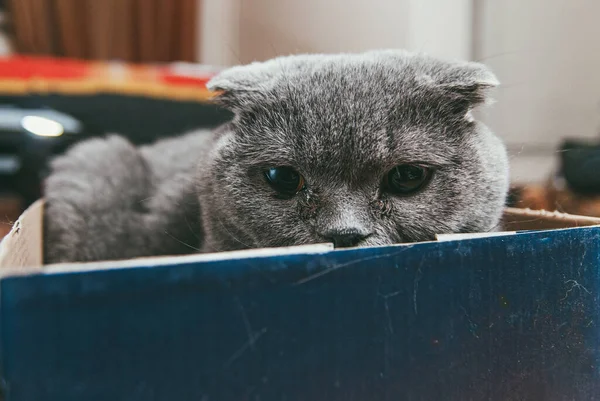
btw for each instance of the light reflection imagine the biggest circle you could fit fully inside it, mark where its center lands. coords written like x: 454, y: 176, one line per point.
x: 41, y: 126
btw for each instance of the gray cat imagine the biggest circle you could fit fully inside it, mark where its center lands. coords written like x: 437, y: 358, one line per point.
x: 355, y: 149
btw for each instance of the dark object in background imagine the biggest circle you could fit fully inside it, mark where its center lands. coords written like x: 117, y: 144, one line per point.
x: 513, y: 196
x: 28, y: 137
x: 140, y: 119
x: 580, y: 166
x: 574, y: 189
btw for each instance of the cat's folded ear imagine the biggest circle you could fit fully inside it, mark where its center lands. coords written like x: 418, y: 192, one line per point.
x: 463, y: 85
x: 242, y: 86
x: 235, y: 87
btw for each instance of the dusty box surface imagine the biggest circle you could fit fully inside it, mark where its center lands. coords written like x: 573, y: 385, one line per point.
x: 492, y: 317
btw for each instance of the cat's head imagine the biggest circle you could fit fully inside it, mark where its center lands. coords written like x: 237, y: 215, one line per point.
x: 356, y: 149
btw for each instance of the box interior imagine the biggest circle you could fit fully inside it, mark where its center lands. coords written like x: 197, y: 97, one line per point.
x: 21, y: 249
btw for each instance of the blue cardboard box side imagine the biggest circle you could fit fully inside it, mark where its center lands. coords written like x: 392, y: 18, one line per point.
x: 498, y: 318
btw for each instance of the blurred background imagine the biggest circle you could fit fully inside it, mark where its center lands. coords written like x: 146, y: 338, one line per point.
x: 71, y: 69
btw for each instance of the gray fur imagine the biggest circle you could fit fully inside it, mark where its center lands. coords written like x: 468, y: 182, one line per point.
x: 343, y: 121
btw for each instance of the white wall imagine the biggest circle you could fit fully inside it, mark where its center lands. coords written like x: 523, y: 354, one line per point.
x: 219, y: 32
x: 269, y: 28
x: 443, y: 28
x: 547, y: 56
x: 240, y: 31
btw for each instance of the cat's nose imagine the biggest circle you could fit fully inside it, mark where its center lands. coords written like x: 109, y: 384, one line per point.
x: 345, y: 238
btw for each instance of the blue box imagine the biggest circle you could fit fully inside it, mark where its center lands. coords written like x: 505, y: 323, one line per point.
x: 511, y: 316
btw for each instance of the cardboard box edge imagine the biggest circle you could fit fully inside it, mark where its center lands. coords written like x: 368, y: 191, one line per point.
x: 17, y: 257
x: 22, y: 248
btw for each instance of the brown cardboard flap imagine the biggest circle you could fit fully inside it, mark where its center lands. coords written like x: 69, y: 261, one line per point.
x: 526, y: 219
x: 22, y: 247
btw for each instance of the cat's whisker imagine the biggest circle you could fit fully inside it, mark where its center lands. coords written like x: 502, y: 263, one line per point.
x: 214, y: 249
x: 191, y: 229
x: 231, y: 235
x: 187, y: 222
x: 182, y: 242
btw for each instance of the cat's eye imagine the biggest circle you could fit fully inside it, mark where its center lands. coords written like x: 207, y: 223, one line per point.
x: 285, y: 180
x: 407, y: 179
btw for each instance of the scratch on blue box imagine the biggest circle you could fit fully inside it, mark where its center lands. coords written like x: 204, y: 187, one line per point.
x: 499, y: 318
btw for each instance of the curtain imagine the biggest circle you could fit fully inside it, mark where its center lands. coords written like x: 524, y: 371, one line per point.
x: 127, y: 30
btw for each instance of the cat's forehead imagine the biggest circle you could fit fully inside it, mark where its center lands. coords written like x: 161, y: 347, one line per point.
x: 344, y: 137
x: 359, y: 119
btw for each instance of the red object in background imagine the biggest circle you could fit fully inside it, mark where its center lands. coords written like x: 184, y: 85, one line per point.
x: 186, y: 74
x: 72, y: 76
x: 27, y: 67
x: 23, y: 67
x: 184, y: 80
